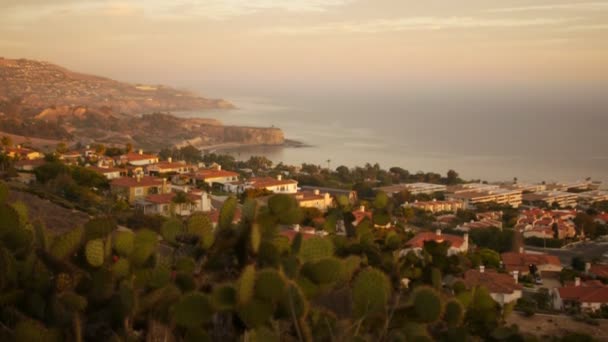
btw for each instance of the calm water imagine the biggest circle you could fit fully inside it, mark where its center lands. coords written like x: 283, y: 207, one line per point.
x: 488, y: 134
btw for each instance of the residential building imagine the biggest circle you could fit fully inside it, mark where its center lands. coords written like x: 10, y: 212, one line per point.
x: 602, y: 218
x: 138, y: 187
x: 483, y: 223
x: 361, y: 214
x: 169, y: 167
x: 28, y: 165
x: 524, y: 187
x: 475, y: 193
x: 597, y: 270
x: 314, y: 199
x: 413, y: 188
x: 277, y: 185
x: 581, y: 185
x: 458, y: 244
x: 18, y: 152
x: 164, y: 204
x: 586, y: 296
x: 138, y: 158
x: 435, y: 206
x: 218, y: 176
x: 551, y: 197
x: 335, y: 193
x: 108, y: 172
x: 594, y: 196
x: 521, y: 261
x: 503, y: 288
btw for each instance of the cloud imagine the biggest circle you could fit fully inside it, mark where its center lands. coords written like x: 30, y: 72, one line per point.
x: 575, y: 6
x: 417, y: 24
x: 162, y: 9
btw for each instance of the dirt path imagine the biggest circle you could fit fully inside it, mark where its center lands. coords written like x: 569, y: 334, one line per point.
x: 549, y: 325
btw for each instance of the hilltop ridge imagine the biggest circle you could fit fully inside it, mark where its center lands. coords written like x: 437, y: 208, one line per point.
x: 42, y: 84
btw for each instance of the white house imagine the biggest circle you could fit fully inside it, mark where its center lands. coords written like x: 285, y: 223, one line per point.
x: 503, y: 288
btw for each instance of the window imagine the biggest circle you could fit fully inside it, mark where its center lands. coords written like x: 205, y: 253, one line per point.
x: 139, y: 191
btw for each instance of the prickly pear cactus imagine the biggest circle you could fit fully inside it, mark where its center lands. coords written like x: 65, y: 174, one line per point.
x: 121, y: 268
x: 144, y: 246
x: 192, y: 310
x: 269, y: 285
x: 292, y: 303
x: 123, y: 243
x: 30, y: 331
x: 315, y: 249
x: 324, y: 271
x: 171, y: 229
x: 65, y: 245
x: 427, y: 304
x: 98, y: 228
x: 246, y: 284
x: 454, y: 313
x: 94, y: 252
x: 224, y: 296
x: 371, y: 292
x: 256, y: 312
x: 8, y: 267
x: 73, y: 301
x: 63, y: 282
x: 255, y: 238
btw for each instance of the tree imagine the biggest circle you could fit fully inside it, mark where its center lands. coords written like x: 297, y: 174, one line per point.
x: 578, y: 263
x: 128, y: 147
x: 61, y: 148
x: 7, y: 141
x: 452, y: 177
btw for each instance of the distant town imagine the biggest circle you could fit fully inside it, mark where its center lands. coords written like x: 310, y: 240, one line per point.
x: 535, y: 248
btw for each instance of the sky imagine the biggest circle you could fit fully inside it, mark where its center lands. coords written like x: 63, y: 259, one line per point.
x: 225, y: 45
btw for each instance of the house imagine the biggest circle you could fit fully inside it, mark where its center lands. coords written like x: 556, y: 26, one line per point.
x: 164, y: 204
x: 138, y: 158
x: 413, y: 188
x: 169, y: 166
x: 217, y: 176
x: 277, y: 185
x: 587, y: 296
x: 28, y: 165
x: 314, y: 199
x: 551, y: 197
x: 597, y: 270
x: 307, y: 232
x: 351, y: 195
x: 484, y: 223
x: 18, y: 152
x: 476, y: 193
x: 360, y: 215
x: 591, y: 197
x: 71, y: 157
x: 108, y: 172
x: 435, y: 206
x: 214, y: 216
x: 458, y: 244
x: 503, y: 288
x: 138, y: 187
x: 542, y: 223
x: 602, y: 218
x: 520, y: 262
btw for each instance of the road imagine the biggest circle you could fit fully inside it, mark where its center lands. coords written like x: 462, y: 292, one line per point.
x: 586, y: 250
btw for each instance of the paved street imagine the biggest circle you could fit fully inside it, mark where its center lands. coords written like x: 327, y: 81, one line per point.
x: 587, y: 250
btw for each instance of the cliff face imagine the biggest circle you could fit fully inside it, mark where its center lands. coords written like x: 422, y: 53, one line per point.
x: 253, y: 135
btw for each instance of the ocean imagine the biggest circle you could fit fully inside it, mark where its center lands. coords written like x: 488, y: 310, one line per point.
x: 491, y: 134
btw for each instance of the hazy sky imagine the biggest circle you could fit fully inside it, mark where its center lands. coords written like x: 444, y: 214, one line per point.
x: 275, y: 42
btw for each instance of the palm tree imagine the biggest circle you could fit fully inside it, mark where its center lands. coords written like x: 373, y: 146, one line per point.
x: 328, y: 162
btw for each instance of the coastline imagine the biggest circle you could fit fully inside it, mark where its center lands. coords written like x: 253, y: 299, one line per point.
x: 234, y: 146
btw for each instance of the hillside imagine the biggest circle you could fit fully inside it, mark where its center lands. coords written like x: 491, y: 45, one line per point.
x: 44, y: 101
x: 42, y: 84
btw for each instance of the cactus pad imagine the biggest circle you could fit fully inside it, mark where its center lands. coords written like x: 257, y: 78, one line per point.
x: 269, y: 285
x: 124, y: 242
x: 371, y: 292
x: 65, y: 245
x: 427, y: 304
x: 246, y: 284
x: 94, y: 252
x: 192, y: 310
x: 315, y: 249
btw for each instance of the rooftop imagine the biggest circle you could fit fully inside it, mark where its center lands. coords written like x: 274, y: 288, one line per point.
x: 130, y: 182
x: 495, y: 282
x: 420, y: 238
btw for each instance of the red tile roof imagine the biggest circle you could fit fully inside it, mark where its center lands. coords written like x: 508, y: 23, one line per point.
x: 264, y: 182
x: 495, y: 282
x: 132, y: 156
x: 420, y: 238
x: 214, y: 215
x: 599, y: 270
x: 130, y: 182
x: 587, y: 292
x: 104, y: 170
x: 167, y: 198
x: 212, y: 173
x: 521, y: 261
x: 33, y: 163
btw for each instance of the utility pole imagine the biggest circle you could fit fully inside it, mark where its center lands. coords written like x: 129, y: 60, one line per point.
x: 328, y: 161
